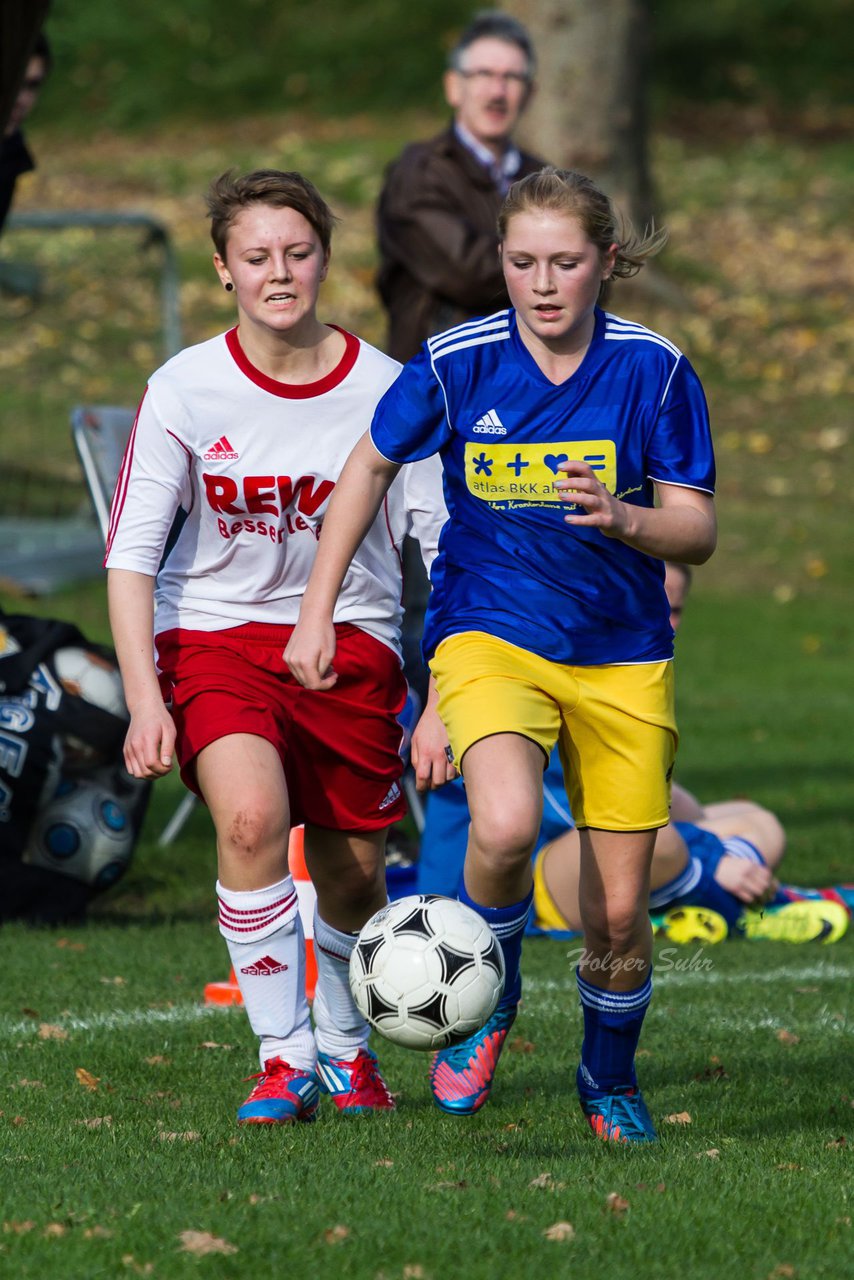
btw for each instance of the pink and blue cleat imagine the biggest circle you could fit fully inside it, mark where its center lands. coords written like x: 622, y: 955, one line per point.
x: 355, y: 1087
x: 283, y: 1095
x: 619, y: 1117
x: 461, y: 1077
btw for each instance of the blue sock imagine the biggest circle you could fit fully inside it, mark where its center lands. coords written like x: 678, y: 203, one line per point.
x: 612, y: 1027
x: 508, y: 925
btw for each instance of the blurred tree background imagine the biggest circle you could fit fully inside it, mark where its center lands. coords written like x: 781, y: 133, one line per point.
x: 131, y: 66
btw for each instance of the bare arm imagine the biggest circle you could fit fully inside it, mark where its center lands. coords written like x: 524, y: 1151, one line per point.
x: 150, y: 738
x: 431, y: 758
x: 683, y: 527
x: 353, y: 507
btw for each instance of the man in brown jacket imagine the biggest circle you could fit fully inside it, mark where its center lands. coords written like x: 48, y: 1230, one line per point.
x: 438, y: 208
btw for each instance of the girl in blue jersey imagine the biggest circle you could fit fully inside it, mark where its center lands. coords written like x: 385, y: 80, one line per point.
x: 577, y: 457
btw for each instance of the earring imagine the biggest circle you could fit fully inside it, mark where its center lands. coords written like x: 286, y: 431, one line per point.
x: 228, y: 286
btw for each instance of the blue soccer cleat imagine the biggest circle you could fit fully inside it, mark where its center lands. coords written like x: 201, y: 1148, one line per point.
x: 619, y: 1117
x: 461, y: 1077
x: 282, y: 1095
x: 355, y: 1087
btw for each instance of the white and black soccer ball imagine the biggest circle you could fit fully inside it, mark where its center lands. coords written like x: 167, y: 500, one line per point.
x: 84, y: 832
x: 426, y: 972
x: 87, y: 675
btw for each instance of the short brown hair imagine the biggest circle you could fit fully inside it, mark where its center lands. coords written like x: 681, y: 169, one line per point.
x: 229, y: 195
x: 567, y: 191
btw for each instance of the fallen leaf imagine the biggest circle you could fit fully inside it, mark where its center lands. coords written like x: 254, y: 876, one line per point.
x: 18, y: 1228
x: 542, y: 1180
x: 383, y: 1164
x: 87, y: 1080
x: 712, y: 1073
x: 413, y: 1271
x: 520, y: 1045
x: 29, y: 1084
x: 838, y: 1142
x: 678, y: 1117
x: 211, y: 1044
x: 189, y: 1136
x: 713, y: 1153
x: 113, y: 982
x: 559, y: 1232
x: 141, y: 1268
x: 782, y: 1269
x: 158, y: 1060
x: 49, y: 1031
x: 513, y: 1216
x: 337, y: 1234
x: 787, y: 1037
x: 616, y: 1203
x: 54, y: 1229
x: 202, y: 1242
x: 96, y: 1122
x: 65, y: 944
x: 97, y: 1233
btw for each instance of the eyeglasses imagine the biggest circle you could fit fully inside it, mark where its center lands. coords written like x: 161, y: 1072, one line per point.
x: 482, y: 76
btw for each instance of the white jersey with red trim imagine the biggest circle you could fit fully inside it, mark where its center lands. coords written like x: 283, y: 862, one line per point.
x: 249, y: 464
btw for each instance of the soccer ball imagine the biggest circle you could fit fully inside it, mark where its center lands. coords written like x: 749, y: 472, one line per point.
x: 426, y: 972
x: 96, y: 680
x: 87, y: 675
x: 83, y: 832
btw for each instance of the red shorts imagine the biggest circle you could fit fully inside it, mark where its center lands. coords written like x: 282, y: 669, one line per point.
x: 339, y: 748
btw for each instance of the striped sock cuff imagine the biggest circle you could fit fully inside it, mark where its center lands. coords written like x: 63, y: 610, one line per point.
x: 331, y: 941
x: 248, y: 915
x: 505, y: 922
x: 614, y: 1001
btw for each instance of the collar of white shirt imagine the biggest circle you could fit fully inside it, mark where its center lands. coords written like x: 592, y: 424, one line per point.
x: 504, y: 170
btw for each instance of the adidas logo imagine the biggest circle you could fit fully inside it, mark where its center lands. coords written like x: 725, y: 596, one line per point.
x: 264, y: 968
x: 392, y: 794
x: 222, y: 451
x: 489, y: 425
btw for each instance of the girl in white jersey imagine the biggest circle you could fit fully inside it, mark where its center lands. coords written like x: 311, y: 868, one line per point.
x: 243, y: 438
x: 577, y: 458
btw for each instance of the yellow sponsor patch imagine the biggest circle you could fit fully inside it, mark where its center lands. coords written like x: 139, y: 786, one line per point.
x: 525, y: 474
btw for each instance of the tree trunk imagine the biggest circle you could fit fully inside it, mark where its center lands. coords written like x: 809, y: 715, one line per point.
x: 589, y: 111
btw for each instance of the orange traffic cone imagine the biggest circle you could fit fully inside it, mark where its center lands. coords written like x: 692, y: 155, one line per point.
x: 307, y: 897
x: 228, y: 992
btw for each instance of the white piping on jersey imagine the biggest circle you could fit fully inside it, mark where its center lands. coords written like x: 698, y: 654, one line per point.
x: 497, y: 320
x: 494, y: 330
x: 678, y: 886
x: 698, y: 488
x: 617, y: 330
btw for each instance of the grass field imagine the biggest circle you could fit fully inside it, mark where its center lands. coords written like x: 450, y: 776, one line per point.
x: 118, y: 1089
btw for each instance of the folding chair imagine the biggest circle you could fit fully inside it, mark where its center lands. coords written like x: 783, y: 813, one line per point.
x: 100, y: 434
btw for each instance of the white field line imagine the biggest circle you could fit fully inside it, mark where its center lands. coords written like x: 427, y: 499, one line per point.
x: 538, y: 991
x: 120, y: 1020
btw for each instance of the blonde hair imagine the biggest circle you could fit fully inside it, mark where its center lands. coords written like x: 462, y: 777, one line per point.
x: 567, y: 191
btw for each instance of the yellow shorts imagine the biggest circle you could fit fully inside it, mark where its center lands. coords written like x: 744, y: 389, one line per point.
x: 615, y: 725
x: 546, y: 914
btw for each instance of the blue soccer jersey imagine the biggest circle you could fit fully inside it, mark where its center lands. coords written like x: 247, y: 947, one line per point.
x: 508, y: 564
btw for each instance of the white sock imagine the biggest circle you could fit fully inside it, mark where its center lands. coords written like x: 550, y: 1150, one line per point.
x: 265, y: 942
x: 340, y: 1029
